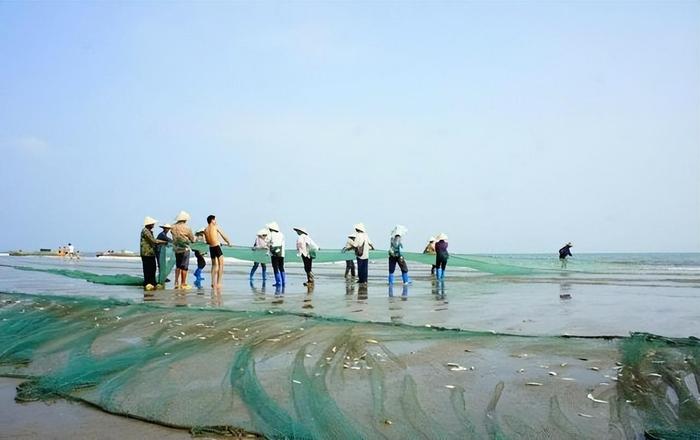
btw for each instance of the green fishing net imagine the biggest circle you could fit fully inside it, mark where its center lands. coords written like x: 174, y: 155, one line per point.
x: 293, y: 376
x: 331, y: 255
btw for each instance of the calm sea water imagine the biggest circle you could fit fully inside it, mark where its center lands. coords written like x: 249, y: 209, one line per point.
x: 598, y: 294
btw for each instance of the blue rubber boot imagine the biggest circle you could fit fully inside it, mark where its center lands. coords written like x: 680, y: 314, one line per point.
x: 391, y: 279
x: 198, y: 278
x: 284, y: 278
x: 252, y: 272
x: 391, y: 290
x: 438, y: 273
x: 442, y: 274
x: 405, y: 278
x: 278, y: 280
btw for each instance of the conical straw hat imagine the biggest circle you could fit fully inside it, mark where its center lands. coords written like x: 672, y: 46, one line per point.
x: 262, y: 232
x: 273, y: 226
x: 360, y: 227
x: 149, y: 221
x: 442, y: 236
x: 302, y: 230
x: 166, y: 226
x: 182, y: 216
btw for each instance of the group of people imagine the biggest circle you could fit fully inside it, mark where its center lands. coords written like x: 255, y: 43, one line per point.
x: 68, y: 251
x: 269, y: 240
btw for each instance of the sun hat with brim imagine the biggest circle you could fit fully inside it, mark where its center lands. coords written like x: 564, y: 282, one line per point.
x: 166, y: 226
x: 273, y: 226
x: 149, y: 221
x: 302, y: 230
x: 360, y: 227
x: 441, y: 237
x: 182, y: 216
x: 262, y: 232
x: 431, y: 239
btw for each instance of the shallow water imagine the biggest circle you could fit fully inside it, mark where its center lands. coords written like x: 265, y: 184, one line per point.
x: 608, y: 294
x: 323, y: 363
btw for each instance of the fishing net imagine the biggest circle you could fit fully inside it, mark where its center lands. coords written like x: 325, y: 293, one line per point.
x: 167, y: 262
x: 285, y: 375
x: 485, y: 265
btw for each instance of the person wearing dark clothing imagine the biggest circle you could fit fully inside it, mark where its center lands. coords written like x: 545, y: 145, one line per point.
x: 563, y: 253
x: 148, y: 253
x: 201, y: 264
x: 441, y: 256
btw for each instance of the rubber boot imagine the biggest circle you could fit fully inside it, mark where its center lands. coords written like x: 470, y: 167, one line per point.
x: 442, y: 274
x: 391, y: 290
x: 284, y: 278
x: 391, y: 279
x: 252, y: 272
x: 438, y: 273
x: 278, y: 279
x: 405, y: 278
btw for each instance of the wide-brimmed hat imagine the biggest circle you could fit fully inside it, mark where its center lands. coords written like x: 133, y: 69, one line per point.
x: 442, y: 236
x: 199, y: 231
x: 263, y: 232
x: 301, y: 229
x: 569, y: 244
x: 399, y: 230
x: 273, y: 226
x: 360, y: 227
x: 182, y: 216
x: 149, y: 221
x: 431, y: 239
x: 166, y: 226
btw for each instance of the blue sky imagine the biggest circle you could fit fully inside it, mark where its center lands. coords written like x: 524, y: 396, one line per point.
x: 511, y: 126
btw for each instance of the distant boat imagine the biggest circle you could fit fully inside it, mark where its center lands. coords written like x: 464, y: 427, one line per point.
x: 122, y: 253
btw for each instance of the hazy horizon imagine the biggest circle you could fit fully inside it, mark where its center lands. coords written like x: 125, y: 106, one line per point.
x: 514, y: 127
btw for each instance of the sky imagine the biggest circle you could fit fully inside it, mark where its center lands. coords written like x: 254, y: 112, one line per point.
x: 513, y: 127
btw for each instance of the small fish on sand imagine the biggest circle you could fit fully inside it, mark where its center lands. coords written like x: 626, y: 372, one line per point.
x: 590, y: 396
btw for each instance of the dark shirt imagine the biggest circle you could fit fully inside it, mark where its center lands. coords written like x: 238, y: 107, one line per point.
x: 200, y: 260
x: 162, y: 236
x: 565, y: 252
x: 441, y: 247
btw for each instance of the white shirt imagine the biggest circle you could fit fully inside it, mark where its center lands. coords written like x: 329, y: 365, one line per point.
x: 304, y: 244
x: 276, y: 239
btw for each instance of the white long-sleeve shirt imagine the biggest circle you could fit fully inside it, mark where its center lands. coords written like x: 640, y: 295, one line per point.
x: 276, y: 239
x: 304, y: 245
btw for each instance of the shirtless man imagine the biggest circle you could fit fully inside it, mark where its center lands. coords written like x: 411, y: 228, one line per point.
x: 212, y: 233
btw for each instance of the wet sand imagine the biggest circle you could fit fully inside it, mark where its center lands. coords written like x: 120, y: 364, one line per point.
x: 62, y: 419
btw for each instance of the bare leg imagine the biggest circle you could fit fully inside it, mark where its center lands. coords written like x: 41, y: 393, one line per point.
x: 214, y: 271
x: 177, y: 277
x: 220, y: 277
x: 183, y: 277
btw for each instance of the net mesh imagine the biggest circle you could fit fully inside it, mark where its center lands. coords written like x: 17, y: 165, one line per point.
x: 286, y: 375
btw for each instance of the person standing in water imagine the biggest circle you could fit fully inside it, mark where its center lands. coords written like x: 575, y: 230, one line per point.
x: 430, y: 250
x: 349, y: 263
x: 441, y: 256
x: 563, y: 253
x: 148, y: 253
x: 275, y: 244
x: 182, y: 237
x: 362, y: 245
x: 212, y: 234
x: 395, y: 256
x: 306, y: 249
x: 260, y: 245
